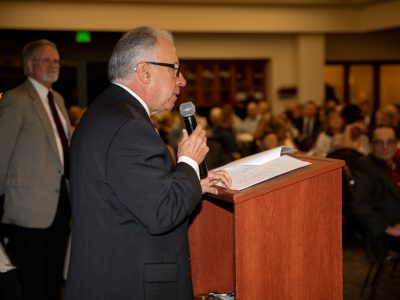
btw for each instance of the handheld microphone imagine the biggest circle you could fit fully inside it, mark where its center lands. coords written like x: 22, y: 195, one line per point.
x: 187, y: 111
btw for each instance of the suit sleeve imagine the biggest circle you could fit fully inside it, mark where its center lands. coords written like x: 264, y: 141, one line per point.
x: 10, y: 123
x: 145, y: 180
x: 363, y: 204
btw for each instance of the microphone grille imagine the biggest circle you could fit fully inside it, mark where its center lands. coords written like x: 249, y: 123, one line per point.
x: 187, y: 109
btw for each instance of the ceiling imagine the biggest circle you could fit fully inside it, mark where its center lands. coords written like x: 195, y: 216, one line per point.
x: 237, y: 2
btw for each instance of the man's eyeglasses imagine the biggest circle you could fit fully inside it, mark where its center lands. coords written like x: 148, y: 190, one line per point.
x: 47, y: 61
x: 176, y: 67
x: 388, y: 143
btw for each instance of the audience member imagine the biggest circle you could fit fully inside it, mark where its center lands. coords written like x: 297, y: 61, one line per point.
x: 273, y: 128
x: 292, y: 111
x: 331, y: 138
x: 250, y: 122
x: 388, y: 115
x: 245, y: 132
x: 330, y: 104
x: 377, y: 192
x: 368, y: 113
x: 223, y: 132
x: 308, y: 125
x: 75, y: 113
x: 263, y: 108
x: 131, y: 203
x: 355, y: 132
x: 34, y: 130
x: 214, y: 115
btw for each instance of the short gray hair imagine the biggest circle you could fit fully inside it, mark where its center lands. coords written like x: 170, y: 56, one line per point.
x: 131, y: 48
x: 29, y: 51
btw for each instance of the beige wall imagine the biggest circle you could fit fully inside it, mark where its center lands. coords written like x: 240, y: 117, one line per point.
x: 296, y: 41
x: 310, y: 66
x: 279, y: 50
x: 197, y: 18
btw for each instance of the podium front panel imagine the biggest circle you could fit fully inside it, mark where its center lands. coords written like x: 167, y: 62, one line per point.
x: 288, y: 242
x: 212, y: 249
x: 279, y: 240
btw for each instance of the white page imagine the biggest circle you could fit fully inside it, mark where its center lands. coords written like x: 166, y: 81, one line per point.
x: 245, y: 176
x: 258, y: 158
x: 5, y: 264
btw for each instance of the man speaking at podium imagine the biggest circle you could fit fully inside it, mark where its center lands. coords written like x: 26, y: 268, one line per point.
x: 130, y: 201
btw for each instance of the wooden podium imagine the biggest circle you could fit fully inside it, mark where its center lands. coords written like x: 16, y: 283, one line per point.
x: 279, y: 240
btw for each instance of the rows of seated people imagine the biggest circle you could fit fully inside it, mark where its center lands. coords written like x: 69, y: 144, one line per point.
x: 367, y: 140
x: 315, y: 130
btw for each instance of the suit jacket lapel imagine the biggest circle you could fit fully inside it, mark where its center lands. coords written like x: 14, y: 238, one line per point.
x: 386, y: 178
x: 42, y: 114
x: 133, y: 104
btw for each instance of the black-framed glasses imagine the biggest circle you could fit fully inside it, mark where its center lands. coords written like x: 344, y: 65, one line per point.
x: 176, y: 67
x: 388, y: 143
x: 47, y: 61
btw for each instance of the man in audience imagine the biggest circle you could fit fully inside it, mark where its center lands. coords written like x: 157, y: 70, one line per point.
x: 308, y: 125
x: 224, y: 133
x: 250, y: 122
x: 34, y: 131
x: 377, y: 191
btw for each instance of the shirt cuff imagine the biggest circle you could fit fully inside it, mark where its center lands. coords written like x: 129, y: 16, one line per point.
x: 190, y: 162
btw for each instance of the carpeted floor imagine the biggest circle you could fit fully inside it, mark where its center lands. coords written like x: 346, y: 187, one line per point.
x: 355, y: 268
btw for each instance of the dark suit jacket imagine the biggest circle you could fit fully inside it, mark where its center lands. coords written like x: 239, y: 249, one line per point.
x: 376, y: 203
x: 305, y: 143
x: 130, y: 207
x: 316, y: 127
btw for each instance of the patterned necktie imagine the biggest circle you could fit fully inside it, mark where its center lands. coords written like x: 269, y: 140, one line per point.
x: 61, y: 133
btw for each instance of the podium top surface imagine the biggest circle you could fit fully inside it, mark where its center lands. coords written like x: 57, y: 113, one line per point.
x: 318, y: 166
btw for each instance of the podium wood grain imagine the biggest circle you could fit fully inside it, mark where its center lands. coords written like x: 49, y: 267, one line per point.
x: 280, y: 239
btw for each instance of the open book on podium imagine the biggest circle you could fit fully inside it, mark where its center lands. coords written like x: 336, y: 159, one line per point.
x: 265, y: 165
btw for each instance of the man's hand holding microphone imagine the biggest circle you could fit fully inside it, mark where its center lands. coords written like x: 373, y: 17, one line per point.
x: 193, y: 144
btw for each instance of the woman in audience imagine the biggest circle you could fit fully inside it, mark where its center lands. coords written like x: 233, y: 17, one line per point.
x: 274, y: 131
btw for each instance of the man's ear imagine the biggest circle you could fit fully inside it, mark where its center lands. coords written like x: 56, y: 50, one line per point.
x: 28, y: 69
x: 143, y: 72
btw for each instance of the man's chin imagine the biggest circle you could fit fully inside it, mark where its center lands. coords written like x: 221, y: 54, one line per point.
x: 51, y: 80
x: 170, y: 105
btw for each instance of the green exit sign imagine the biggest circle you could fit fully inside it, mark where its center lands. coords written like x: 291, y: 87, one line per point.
x: 83, y: 37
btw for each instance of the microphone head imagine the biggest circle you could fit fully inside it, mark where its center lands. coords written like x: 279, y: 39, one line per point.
x: 187, y: 109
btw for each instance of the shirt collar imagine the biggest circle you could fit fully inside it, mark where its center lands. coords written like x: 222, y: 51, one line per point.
x: 40, y: 88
